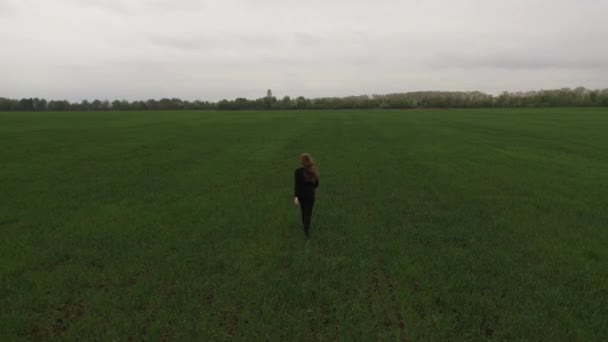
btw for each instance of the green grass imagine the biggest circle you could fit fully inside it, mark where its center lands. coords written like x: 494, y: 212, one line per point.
x: 429, y: 225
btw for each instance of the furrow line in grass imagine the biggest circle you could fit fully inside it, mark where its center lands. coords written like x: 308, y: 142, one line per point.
x: 385, y: 289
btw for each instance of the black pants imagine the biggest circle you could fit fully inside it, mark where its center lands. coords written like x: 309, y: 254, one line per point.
x: 306, y: 205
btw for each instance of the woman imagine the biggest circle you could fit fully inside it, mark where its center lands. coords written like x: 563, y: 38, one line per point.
x: 307, y: 180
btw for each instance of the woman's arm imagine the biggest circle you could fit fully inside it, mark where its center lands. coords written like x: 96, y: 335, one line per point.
x: 296, y: 190
x: 317, y: 183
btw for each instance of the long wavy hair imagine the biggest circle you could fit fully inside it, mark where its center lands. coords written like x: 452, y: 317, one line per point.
x: 311, y: 174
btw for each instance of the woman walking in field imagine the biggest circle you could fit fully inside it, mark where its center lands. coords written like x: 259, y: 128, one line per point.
x: 306, y: 181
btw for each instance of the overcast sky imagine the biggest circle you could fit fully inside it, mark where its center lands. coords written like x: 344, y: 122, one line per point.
x: 213, y: 49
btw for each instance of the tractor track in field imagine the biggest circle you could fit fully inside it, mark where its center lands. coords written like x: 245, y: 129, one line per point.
x: 390, y: 285
x: 63, y: 317
x: 381, y: 292
x: 151, y: 312
x: 319, y: 327
x: 229, y: 320
x: 382, y: 301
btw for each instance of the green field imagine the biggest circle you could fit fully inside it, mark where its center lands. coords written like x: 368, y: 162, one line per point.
x: 429, y: 225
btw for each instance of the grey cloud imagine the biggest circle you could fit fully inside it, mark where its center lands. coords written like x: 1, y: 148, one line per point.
x: 196, y: 42
x: 118, y: 6
x: 6, y: 8
x: 518, y: 62
x: 176, y: 6
x: 224, y: 49
x: 532, y: 52
x: 132, y: 7
x: 306, y: 39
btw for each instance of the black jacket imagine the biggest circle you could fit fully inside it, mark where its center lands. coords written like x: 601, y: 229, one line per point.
x: 303, y: 189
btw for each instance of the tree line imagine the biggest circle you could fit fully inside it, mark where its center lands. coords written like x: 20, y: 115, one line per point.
x: 565, y: 97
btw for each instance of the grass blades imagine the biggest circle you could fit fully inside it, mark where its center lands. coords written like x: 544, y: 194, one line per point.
x: 429, y: 225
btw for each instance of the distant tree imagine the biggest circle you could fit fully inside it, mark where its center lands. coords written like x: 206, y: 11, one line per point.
x: 269, y: 98
x: 85, y: 105
x: 302, y: 102
x: 563, y: 97
x: 115, y: 105
x: 152, y: 104
x: 241, y: 103
x: 96, y: 105
x: 6, y: 104
x: 603, y: 98
x: 61, y: 105
x: 177, y: 103
x: 186, y: 104
x: 165, y: 104
x: 286, y: 103
x: 40, y: 104
x: 225, y: 105
x: 26, y: 105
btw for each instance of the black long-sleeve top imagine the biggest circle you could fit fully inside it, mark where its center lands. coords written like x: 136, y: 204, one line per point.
x: 304, y: 189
